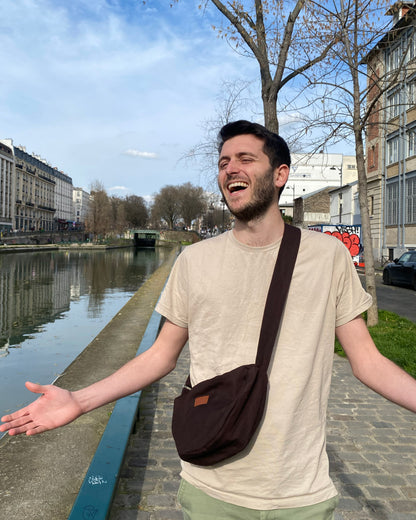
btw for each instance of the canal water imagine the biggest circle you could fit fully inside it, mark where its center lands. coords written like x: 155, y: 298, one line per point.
x: 52, y: 304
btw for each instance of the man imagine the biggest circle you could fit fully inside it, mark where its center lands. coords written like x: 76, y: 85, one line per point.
x: 215, y: 298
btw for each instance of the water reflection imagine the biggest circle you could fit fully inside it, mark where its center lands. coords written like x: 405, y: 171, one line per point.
x: 37, y: 288
x: 52, y: 304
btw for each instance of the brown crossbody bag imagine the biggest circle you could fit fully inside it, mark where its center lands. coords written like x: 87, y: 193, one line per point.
x: 218, y: 417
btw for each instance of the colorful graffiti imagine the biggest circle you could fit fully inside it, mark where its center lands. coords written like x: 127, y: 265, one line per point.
x: 352, y: 241
x: 349, y: 235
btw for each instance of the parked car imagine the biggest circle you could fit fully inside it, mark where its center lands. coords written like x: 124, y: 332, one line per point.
x: 402, y: 270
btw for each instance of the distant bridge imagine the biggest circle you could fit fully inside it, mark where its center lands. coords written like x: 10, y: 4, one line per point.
x: 144, y: 237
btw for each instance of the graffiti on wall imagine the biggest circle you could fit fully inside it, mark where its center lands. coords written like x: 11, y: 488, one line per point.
x: 349, y: 235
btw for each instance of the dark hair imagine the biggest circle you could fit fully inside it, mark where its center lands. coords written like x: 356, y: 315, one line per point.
x: 274, y: 146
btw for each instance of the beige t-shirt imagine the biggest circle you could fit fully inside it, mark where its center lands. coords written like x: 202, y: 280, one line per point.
x: 217, y: 289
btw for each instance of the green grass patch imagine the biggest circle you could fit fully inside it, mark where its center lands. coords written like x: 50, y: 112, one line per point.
x: 395, y: 338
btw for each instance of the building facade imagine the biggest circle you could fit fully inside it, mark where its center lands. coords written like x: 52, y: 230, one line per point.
x: 391, y: 136
x: 43, y: 194
x: 35, y: 193
x: 311, y: 173
x: 63, y: 200
x: 344, y: 206
x: 313, y: 208
x: 7, y: 186
x: 81, y: 204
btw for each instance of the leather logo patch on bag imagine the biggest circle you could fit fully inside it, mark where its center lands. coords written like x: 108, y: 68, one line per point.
x: 201, y: 400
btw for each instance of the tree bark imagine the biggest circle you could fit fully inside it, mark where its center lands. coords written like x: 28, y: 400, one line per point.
x: 367, y: 241
x: 269, y: 98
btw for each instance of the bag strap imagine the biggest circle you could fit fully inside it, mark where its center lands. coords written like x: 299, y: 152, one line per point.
x: 277, y: 295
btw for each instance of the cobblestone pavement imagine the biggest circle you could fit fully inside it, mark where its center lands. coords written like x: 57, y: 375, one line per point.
x: 371, y: 445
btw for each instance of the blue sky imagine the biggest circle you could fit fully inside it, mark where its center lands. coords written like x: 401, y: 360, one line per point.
x: 113, y: 90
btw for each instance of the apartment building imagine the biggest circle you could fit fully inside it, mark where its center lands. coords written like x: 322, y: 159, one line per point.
x: 311, y: 173
x: 7, y: 185
x: 391, y: 136
x: 81, y: 203
x: 35, y: 193
x: 43, y: 194
x: 63, y: 199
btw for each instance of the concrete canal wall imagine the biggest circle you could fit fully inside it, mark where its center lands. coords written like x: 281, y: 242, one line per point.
x: 40, y: 476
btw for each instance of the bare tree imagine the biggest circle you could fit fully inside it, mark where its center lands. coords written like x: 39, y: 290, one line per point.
x: 233, y: 99
x: 118, y: 221
x: 351, y: 92
x: 286, y: 38
x: 172, y: 203
x: 216, y: 217
x: 99, y: 214
x: 137, y: 214
x: 166, y: 206
x: 192, y: 202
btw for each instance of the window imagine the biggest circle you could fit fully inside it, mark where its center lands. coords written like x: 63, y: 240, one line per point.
x: 372, y: 157
x: 411, y: 200
x: 411, y: 142
x: 393, y: 150
x: 371, y: 205
x: 411, y: 93
x: 394, y: 58
x: 412, y: 47
x: 393, y: 104
x: 392, y: 196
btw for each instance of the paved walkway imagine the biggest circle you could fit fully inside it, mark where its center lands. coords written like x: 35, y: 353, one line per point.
x: 371, y: 444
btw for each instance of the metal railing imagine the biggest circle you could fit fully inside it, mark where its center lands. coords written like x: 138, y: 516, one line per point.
x: 97, y: 490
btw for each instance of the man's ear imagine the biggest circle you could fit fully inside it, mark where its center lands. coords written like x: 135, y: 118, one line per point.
x: 281, y: 174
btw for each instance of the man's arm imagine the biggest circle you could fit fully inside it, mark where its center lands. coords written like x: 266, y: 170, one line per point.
x: 372, y: 368
x: 57, y: 407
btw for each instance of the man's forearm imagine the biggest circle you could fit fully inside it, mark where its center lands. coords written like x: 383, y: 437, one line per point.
x: 390, y: 381
x: 56, y: 406
x: 373, y: 369
x: 131, y: 377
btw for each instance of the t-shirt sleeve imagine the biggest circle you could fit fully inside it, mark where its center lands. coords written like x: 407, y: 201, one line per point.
x: 352, y: 299
x: 173, y: 302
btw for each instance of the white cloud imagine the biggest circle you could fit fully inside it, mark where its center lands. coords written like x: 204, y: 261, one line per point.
x: 143, y: 155
x: 86, y: 80
x: 149, y: 199
x: 118, y: 188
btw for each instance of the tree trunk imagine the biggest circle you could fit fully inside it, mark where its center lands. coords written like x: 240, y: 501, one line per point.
x: 269, y: 97
x: 367, y: 241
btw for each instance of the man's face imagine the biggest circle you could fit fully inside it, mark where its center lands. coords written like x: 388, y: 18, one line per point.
x: 246, y: 178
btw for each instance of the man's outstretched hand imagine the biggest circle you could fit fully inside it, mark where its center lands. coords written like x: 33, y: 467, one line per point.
x: 54, y: 408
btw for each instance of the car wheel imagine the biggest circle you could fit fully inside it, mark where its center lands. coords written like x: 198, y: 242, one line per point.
x: 386, y: 278
x: 414, y: 282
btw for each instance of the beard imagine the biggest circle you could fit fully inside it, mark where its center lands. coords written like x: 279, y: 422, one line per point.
x: 264, y: 195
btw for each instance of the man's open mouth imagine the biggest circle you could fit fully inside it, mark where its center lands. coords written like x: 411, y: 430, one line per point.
x: 237, y: 186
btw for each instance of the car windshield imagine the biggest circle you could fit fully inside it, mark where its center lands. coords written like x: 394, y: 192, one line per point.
x: 408, y: 257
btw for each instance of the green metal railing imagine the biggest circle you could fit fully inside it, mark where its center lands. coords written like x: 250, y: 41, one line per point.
x: 97, y: 490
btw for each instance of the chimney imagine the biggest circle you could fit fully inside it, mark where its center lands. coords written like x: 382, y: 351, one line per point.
x: 399, y: 10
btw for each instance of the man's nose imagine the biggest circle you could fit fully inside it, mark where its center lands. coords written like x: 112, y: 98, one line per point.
x: 232, y: 167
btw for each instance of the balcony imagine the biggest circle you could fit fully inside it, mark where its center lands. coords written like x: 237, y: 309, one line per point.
x: 46, y: 208
x: 46, y: 178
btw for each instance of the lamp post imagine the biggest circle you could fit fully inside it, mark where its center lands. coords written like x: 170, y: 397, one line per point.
x: 223, y: 214
x: 339, y: 168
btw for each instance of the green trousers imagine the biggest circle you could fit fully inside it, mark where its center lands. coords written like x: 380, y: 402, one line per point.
x: 197, y: 505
